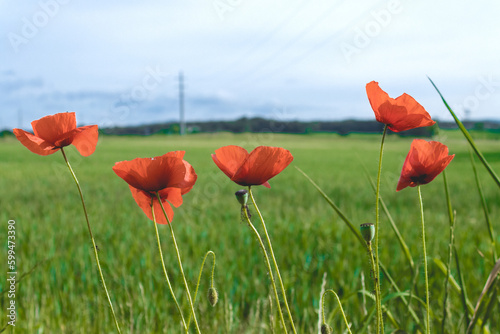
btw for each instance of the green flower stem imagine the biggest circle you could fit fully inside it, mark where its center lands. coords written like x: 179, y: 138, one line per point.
x: 428, y: 327
x: 180, y: 264
x: 400, y: 238
x: 271, y: 276
x: 274, y: 259
x: 340, y: 306
x: 199, y: 278
x: 165, y: 270
x: 380, y: 320
x: 376, y: 283
x: 92, y: 239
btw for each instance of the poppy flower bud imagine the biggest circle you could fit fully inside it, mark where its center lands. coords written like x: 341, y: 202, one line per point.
x: 367, y: 232
x: 326, y: 329
x: 242, y: 196
x: 213, y: 296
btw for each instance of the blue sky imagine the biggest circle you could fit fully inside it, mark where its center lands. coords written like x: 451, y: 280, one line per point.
x: 117, y: 62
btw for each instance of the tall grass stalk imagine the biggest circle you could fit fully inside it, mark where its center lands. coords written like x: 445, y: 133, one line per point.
x: 451, y: 218
x: 94, y: 247
x: 469, y: 138
x: 485, y: 209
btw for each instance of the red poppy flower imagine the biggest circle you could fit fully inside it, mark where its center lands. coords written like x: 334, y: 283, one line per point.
x: 423, y: 163
x: 253, y: 169
x: 57, y: 131
x: 400, y: 114
x: 168, y: 175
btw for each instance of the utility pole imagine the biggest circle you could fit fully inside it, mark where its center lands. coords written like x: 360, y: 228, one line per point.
x: 181, y: 104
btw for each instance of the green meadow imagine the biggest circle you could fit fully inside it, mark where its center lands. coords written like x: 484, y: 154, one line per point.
x: 59, y: 290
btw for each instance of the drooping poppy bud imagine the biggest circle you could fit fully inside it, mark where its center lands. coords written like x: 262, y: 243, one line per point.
x: 213, y: 296
x: 326, y: 329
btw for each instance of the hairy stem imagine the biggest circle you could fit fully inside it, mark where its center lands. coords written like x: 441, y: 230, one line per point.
x: 92, y: 239
x: 179, y: 261
x: 165, y: 270
x: 273, y: 258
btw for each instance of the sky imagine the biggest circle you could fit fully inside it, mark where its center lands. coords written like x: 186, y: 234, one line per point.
x: 117, y: 63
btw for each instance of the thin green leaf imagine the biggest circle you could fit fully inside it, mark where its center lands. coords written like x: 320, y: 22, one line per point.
x: 469, y: 138
x: 489, y: 284
x: 463, y: 290
x: 349, y: 224
x: 485, y: 208
x: 451, y: 218
x: 440, y: 264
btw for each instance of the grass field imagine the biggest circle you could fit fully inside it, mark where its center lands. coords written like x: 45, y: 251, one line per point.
x: 62, y: 293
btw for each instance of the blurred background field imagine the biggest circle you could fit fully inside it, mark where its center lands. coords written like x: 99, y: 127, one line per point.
x: 61, y: 292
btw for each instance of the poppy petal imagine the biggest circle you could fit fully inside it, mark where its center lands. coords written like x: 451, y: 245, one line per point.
x: 173, y: 195
x: 159, y: 215
x: 263, y: 163
x: 189, y: 178
x: 35, y: 144
x: 424, y: 162
x: 51, y: 128
x: 230, y: 158
x: 144, y: 199
x: 85, y: 140
x: 400, y: 114
x: 152, y: 174
x: 377, y: 97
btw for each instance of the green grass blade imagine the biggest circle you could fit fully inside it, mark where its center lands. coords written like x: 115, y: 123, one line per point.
x: 454, y: 284
x: 488, y: 286
x: 463, y: 290
x: 451, y: 218
x: 350, y: 225
x: 485, y: 208
x: 469, y: 138
x: 491, y: 306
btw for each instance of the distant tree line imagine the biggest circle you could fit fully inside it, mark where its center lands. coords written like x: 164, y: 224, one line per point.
x: 294, y: 127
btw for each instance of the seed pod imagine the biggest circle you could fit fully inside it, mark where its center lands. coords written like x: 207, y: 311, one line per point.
x: 367, y: 232
x: 242, y: 196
